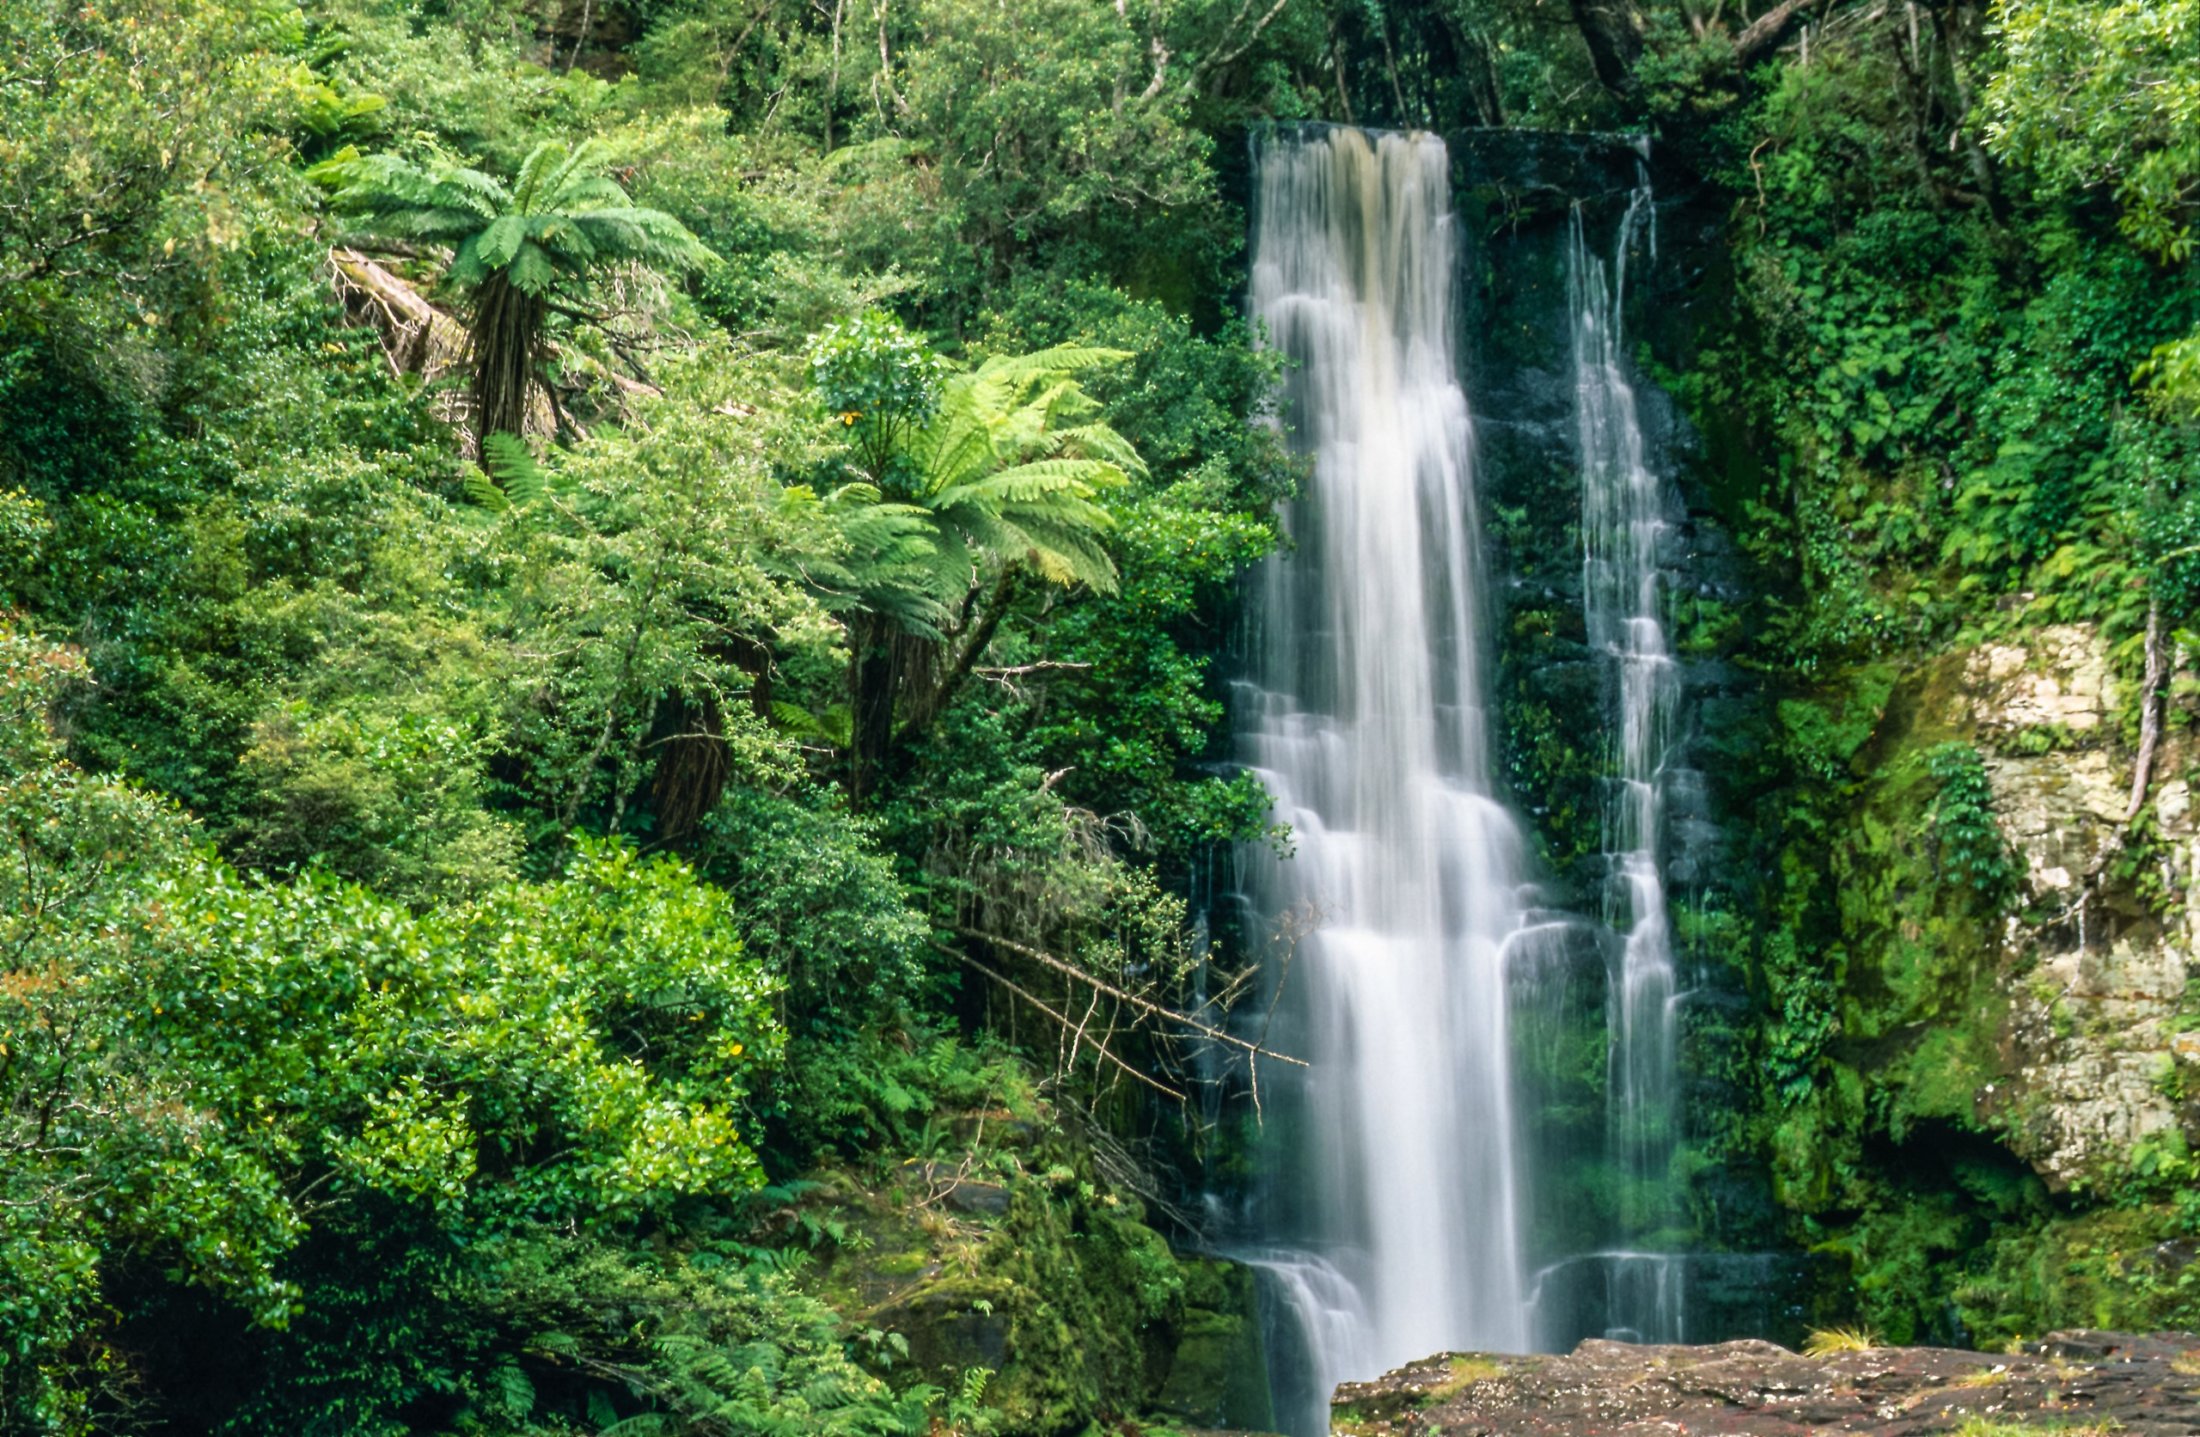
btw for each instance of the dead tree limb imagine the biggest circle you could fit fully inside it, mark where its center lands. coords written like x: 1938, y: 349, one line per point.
x: 1065, y: 1023
x: 2150, y: 713
x: 1071, y: 970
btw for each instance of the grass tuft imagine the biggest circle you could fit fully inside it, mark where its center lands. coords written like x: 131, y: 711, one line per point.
x: 1465, y: 1372
x: 1828, y: 1341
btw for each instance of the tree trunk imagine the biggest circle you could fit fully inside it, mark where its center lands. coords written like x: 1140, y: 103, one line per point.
x: 692, y: 768
x: 2150, y: 713
x: 507, y: 348
x: 935, y: 698
x: 874, y: 673
x: 1614, y: 37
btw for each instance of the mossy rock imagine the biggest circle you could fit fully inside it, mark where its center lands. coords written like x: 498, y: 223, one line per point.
x: 954, y: 1324
x: 1218, y: 1374
x: 1055, y: 1285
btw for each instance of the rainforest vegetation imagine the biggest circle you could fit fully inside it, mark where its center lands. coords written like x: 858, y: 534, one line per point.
x: 614, y: 622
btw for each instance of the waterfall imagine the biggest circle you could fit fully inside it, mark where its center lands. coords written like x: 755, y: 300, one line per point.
x: 1398, y: 1193
x: 1622, y: 519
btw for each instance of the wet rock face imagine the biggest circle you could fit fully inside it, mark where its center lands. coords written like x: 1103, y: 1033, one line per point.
x: 2096, y: 1002
x: 2080, y: 1384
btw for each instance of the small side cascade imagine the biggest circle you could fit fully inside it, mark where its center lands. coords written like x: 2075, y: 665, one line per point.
x: 1623, y: 520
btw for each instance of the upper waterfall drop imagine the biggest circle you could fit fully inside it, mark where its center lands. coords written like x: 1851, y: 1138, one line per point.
x: 1401, y: 1190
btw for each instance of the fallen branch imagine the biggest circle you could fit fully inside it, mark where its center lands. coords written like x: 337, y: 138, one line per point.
x: 2150, y: 713
x: 1071, y: 970
x: 1067, y: 1025
x: 1041, y: 667
x: 417, y: 338
x: 1764, y: 34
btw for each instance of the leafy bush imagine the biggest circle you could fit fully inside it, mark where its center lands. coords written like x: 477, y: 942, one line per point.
x: 1972, y: 849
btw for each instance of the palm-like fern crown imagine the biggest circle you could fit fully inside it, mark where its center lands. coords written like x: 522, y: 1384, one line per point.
x: 889, y: 562
x: 1014, y: 461
x: 561, y: 217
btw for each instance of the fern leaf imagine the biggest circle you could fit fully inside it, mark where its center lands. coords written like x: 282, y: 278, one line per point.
x: 579, y: 167
x: 651, y: 236
x: 483, y: 490
x: 521, y: 479
x: 1099, y: 441
x: 501, y: 241
x: 543, y: 158
x: 532, y: 271
x: 1062, y: 359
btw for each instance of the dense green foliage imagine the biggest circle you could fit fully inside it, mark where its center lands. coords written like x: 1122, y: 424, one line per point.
x: 1943, y: 412
x: 440, y: 901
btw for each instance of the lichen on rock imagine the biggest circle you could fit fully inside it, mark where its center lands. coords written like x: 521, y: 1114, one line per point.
x: 2100, y: 944
x: 2071, y: 1382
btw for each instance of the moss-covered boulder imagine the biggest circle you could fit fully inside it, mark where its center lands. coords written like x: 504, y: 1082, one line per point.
x: 1026, y: 1265
x: 1218, y: 1374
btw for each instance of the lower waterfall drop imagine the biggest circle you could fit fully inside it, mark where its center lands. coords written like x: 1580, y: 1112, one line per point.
x: 1623, y: 516
x: 1396, y: 1210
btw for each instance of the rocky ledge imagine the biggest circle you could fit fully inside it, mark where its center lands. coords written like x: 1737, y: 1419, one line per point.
x: 2075, y: 1384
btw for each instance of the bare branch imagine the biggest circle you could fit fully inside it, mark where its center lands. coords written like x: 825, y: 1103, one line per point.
x: 1071, y: 970
x: 1064, y: 1021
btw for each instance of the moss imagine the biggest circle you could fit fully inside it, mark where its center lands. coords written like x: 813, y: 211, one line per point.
x: 2126, y: 1268
x: 1703, y: 626
x: 1941, y: 1073
x: 1218, y: 1374
x: 1464, y: 1373
x: 1077, y: 1307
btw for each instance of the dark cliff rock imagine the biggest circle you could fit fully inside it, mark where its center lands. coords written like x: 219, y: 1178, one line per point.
x: 2074, y: 1383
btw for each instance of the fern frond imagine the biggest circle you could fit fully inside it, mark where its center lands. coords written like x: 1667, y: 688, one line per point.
x: 1077, y: 551
x: 651, y: 236
x: 513, y: 465
x: 1100, y: 441
x: 1062, y: 359
x: 483, y: 490
x: 501, y: 241
x: 532, y: 271
x: 896, y: 533
x: 592, y: 192
x: 568, y: 243
x: 1039, y: 480
x: 543, y: 158
x: 958, y: 446
x: 580, y: 167
x: 459, y: 188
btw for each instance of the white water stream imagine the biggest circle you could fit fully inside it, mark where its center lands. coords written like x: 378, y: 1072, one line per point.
x: 1623, y: 516
x: 1365, y: 718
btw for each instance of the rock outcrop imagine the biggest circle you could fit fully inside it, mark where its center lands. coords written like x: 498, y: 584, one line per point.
x: 2078, y: 1384
x: 2111, y: 913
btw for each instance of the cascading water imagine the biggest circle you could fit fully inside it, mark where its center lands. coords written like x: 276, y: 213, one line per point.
x: 1399, y: 1196
x: 1623, y: 516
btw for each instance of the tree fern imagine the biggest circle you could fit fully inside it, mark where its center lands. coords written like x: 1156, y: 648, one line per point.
x: 974, y: 480
x: 514, y: 247
x: 994, y: 452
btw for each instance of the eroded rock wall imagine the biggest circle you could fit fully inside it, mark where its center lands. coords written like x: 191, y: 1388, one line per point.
x: 2100, y: 943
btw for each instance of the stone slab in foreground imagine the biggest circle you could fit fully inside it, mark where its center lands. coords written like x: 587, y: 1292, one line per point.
x: 2077, y: 1384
